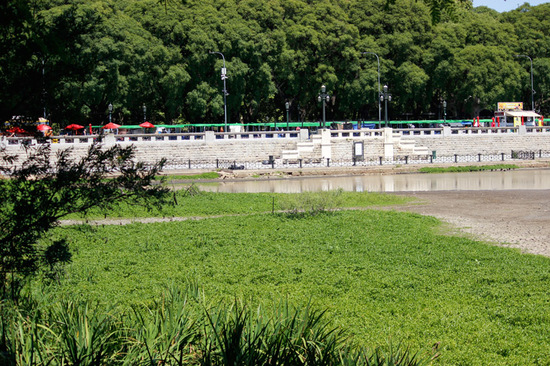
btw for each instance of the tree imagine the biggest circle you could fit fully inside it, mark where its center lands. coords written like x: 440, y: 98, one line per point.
x: 40, y: 191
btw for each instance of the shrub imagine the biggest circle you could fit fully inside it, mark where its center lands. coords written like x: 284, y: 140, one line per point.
x: 311, y: 203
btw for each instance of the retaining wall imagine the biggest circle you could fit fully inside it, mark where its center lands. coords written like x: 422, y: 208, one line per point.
x: 334, y: 145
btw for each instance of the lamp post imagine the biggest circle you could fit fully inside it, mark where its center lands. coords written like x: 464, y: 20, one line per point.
x: 532, y: 88
x: 386, y: 97
x: 110, y: 111
x: 287, y: 106
x: 445, y: 111
x: 323, y: 97
x: 224, y: 77
x: 43, y: 89
x: 379, y: 105
x: 144, y: 113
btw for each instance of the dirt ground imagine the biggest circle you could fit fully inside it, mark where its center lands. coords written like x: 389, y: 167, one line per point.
x: 519, y: 219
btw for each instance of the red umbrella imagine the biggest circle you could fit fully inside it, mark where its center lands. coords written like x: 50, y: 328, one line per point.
x: 74, y: 127
x: 111, y: 126
x: 147, y: 125
x: 43, y: 128
x: 16, y: 130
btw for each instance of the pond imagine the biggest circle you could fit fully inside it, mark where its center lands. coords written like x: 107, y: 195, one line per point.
x: 523, y: 179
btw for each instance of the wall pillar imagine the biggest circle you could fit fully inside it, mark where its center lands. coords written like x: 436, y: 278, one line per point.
x: 209, y: 136
x: 109, y: 139
x: 304, y: 134
x: 388, y: 142
x: 326, y: 145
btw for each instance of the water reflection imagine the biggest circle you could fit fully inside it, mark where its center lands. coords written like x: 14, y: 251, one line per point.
x: 525, y: 179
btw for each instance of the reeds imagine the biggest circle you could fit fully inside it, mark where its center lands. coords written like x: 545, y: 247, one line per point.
x: 182, y: 329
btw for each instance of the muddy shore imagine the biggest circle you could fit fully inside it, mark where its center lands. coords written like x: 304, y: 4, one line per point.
x: 518, y: 219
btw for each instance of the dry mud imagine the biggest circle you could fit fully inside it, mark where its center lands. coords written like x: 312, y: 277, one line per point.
x: 518, y: 219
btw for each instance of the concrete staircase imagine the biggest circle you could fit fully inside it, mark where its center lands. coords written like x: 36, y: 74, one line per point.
x: 408, y: 147
x: 302, y: 150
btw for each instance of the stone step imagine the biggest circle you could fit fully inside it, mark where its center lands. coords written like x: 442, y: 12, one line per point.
x: 305, y: 146
x: 421, y: 150
x: 290, y: 154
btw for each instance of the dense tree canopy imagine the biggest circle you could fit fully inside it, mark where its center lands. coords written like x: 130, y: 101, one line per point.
x: 71, y: 58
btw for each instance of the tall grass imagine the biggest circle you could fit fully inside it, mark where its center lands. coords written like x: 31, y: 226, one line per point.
x: 182, y: 329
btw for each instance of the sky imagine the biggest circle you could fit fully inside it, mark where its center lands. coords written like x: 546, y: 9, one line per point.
x: 507, y: 5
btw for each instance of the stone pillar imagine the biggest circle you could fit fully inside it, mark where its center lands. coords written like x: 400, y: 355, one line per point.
x: 209, y: 136
x: 388, y: 142
x: 304, y: 134
x: 326, y: 148
x: 522, y: 130
x: 109, y: 139
x: 447, y: 131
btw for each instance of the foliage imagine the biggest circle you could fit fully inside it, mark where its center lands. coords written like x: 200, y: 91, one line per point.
x: 202, y: 203
x: 208, y: 175
x: 380, y: 275
x: 470, y: 168
x: 40, y: 191
x: 183, y: 329
x: 311, y: 203
x: 75, y: 57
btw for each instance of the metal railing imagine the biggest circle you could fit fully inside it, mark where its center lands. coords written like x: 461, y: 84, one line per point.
x: 371, y: 161
x: 215, y: 136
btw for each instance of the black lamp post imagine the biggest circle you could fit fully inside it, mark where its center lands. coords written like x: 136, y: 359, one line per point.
x: 144, y: 113
x: 225, y: 94
x: 385, y: 97
x: 287, y: 106
x: 110, y: 111
x: 445, y: 111
x: 379, y: 107
x: 532, y: 88
x: 323, y: 97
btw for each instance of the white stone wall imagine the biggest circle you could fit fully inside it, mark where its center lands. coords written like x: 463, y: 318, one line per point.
x: 483, y: 144
x: 339, y: 148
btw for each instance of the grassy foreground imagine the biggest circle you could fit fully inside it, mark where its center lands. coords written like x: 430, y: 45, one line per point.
x: 381, y: 276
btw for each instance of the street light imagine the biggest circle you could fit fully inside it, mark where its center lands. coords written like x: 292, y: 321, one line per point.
x: 379, y: 106
x: 144, y: 113
x: 385, y: 97
x: 323, y: 97
x: 532, y: 88
x: 445, y: 111
x: 110, y: 111
x: 225, y: 94
x: 287, y: 106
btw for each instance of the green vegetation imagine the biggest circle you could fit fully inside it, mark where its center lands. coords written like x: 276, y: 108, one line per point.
x: 36, y: 193
x: 183, y: 329
x: 75, y: 57
x: 208, y: 175
x: 470, y: 168
x: 188, y: 202
x: 380, y: 276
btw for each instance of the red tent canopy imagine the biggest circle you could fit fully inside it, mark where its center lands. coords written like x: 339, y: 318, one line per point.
x: 43, y: 128
x: 16, y: 130
x: 111, y: 126
x: 146, y: 124
x: 74, y: 126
